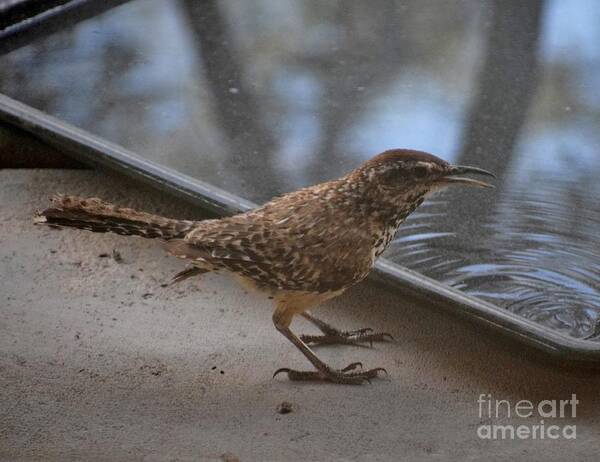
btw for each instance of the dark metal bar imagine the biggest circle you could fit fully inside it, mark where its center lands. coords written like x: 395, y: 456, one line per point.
x: 21, y: 28
x: 16, y: 11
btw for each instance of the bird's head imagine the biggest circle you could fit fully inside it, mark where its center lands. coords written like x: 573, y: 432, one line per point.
x: 404, y: 171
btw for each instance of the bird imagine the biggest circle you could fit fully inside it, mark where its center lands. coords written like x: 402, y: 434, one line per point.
x: 301, y: 249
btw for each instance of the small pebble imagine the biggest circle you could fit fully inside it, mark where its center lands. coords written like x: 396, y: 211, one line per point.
x: 285, y: 407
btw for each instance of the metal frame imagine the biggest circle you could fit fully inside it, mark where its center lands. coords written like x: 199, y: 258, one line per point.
x: 44, y: 19
x: 99, y: 152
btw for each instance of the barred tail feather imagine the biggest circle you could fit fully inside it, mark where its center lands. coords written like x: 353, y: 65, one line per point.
x: 102, y: 217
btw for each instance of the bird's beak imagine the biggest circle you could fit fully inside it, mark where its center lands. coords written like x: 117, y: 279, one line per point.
x: 450, y: 179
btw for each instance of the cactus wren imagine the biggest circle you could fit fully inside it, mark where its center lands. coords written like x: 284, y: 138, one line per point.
x: 301, y: 249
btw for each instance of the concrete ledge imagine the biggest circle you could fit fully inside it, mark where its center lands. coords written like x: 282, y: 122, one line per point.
x: 99, y: 362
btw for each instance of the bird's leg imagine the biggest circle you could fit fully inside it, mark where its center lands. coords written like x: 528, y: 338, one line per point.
x: 324, y: 372
x: 332, y: 336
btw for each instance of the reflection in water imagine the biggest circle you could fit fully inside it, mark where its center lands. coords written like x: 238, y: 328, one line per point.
x: 545, y: 259
x: 264, y: 96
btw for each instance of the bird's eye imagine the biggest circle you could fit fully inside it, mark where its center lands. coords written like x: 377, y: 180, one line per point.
x: 420, y: 171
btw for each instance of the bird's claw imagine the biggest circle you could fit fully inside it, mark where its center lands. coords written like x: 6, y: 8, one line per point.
x: 280, y: 370
x: 342, y: 376
x: 358, y: 332
x: 352, y: 366
x: 356, y: 338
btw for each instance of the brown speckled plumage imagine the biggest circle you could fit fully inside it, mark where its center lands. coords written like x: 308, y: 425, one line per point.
x: 301, y: 248
x: 318, y: 239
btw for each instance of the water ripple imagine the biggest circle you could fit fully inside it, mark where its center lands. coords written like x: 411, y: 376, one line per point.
x: 536, y: 254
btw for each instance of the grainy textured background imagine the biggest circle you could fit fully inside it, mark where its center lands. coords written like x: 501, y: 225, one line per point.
x: 99, y: 362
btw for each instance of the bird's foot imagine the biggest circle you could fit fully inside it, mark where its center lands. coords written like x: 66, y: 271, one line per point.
x: 347, y: 375
x: 355, y: 337
x: 332, y: 336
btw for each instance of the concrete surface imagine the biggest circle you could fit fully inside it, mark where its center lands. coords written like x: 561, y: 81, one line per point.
x: 99, y: 362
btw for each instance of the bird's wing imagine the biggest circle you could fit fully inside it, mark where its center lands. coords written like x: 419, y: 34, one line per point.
x: 293, y: 243
x: 237, y: 245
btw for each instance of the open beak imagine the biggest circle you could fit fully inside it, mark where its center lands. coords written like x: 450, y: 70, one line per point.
x: 450, y: 178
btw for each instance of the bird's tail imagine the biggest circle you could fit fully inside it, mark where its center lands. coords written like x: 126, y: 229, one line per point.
x: 101, y: 217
